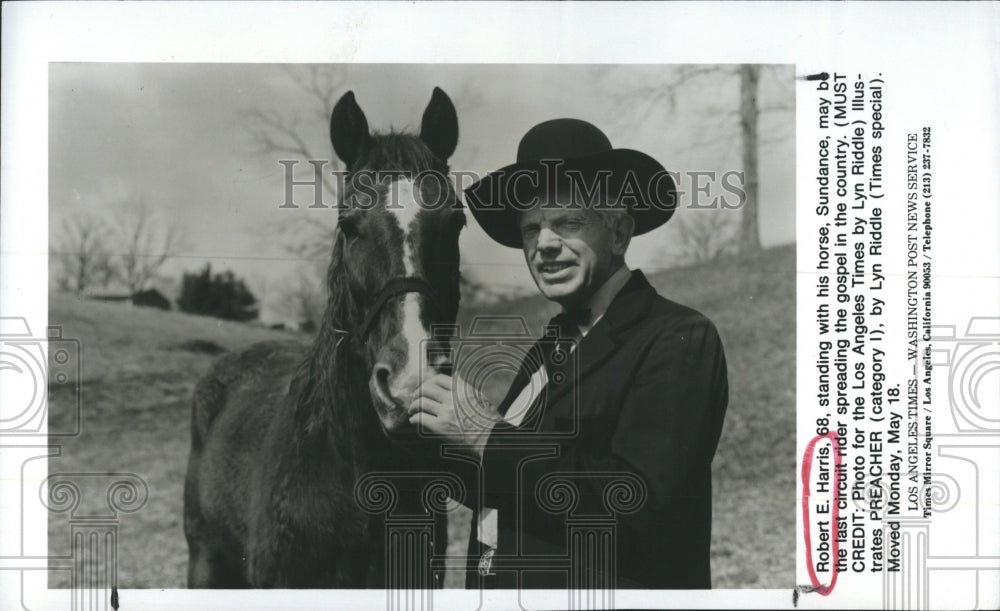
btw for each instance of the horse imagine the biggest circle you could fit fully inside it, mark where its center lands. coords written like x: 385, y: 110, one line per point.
x: 282, y: 432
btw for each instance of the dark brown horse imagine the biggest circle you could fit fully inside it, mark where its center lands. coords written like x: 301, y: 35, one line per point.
x: 281, y: 433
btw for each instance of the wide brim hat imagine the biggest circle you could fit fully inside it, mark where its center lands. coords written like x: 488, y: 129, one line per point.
x: 575, y: 156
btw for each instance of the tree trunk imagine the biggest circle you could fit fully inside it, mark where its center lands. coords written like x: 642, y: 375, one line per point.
x: 749, y: 231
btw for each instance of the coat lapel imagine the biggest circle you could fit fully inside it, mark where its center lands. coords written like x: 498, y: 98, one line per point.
x: 627, y: 308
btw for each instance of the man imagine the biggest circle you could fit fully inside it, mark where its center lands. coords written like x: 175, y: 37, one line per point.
x: 635, y: 399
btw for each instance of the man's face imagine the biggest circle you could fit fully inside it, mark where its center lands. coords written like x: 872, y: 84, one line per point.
x: 571, y: 251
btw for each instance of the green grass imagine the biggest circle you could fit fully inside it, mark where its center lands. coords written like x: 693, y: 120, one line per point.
x: 138, y: 371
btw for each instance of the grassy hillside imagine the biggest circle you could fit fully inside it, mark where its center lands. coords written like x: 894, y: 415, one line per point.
x: 139, y: 367
x: 138, y: 370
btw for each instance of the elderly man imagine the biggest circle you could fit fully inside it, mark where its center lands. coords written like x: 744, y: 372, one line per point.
x: 632, y: 391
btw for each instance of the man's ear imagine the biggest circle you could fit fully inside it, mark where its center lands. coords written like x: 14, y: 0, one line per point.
x: 622, y: 234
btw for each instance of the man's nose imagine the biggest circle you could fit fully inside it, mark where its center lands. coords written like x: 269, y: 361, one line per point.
x: 548, y: 240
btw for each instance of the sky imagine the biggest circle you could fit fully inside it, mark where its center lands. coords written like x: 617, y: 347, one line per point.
x: 182, y: 140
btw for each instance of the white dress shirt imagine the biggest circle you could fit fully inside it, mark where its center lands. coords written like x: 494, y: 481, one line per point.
x: 598, y: 305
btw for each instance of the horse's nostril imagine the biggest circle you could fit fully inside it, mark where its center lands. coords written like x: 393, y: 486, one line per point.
x: 381, y: 375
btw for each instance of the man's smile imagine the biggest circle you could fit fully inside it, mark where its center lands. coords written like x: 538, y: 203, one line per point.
x: 555, y: 268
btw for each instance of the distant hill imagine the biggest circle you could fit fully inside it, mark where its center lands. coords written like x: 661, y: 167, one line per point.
x: 707, y: 287
x: 119, y: 340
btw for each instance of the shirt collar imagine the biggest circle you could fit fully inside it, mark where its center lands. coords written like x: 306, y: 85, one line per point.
x: 602, y: 297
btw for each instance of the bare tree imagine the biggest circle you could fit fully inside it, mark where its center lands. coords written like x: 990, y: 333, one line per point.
x: 145, y: 241
x: 291, y: 134
x: 749, y: 232
x: 742, y: 120
x: 81, y: 251
x: 298, y: 298
x: 705, y: 235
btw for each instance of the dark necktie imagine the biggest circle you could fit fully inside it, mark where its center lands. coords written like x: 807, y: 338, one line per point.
x: 557, y: 351
x: 553, y: 352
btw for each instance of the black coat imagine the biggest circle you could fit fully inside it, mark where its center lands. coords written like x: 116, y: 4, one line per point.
x: 649, y: 400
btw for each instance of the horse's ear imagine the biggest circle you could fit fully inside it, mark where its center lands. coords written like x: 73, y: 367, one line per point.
x: 439, y: 128
x: 349, y: 129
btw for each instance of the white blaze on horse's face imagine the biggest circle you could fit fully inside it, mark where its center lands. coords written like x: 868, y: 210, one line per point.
x: 396, y: 377
x: 429, y: 239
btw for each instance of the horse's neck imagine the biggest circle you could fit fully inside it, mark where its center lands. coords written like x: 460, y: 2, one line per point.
x: 333, y: 406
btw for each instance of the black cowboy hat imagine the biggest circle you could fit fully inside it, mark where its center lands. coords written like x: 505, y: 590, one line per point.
x: 571, y: 154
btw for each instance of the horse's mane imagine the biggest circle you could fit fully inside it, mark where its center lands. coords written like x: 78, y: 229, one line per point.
x: 329, y: 391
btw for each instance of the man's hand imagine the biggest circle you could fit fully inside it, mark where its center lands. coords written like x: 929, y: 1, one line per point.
x: 434, y: 409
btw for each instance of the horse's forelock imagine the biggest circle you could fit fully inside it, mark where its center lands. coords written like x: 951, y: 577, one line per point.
x: 399, y: 152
